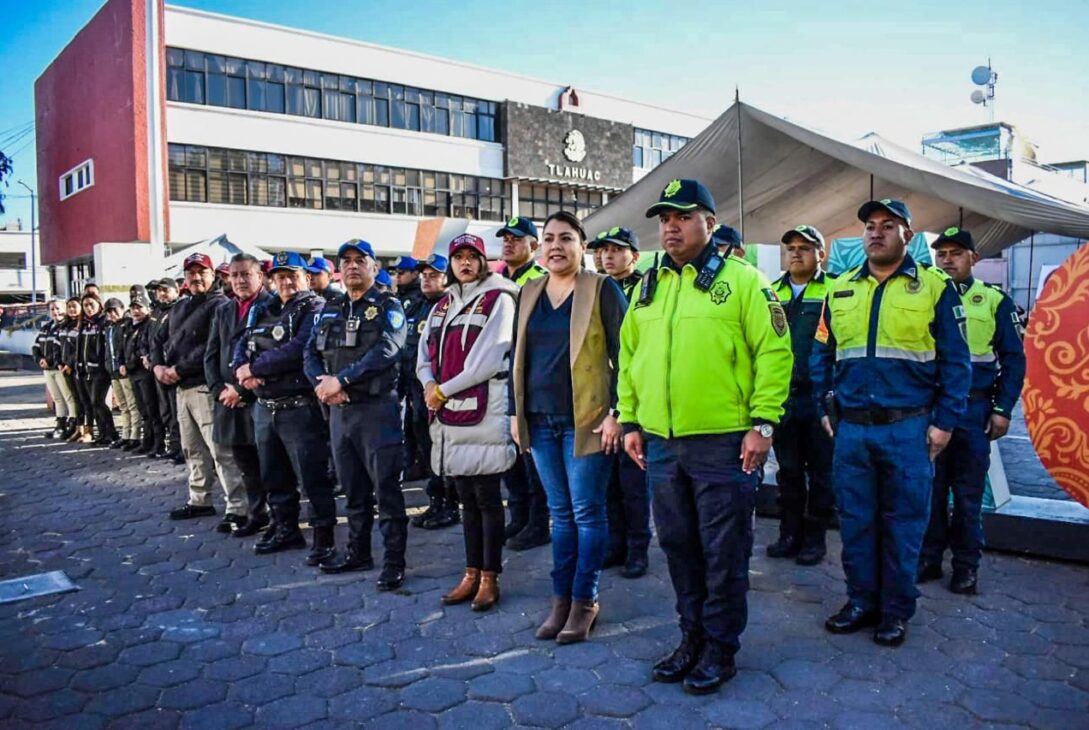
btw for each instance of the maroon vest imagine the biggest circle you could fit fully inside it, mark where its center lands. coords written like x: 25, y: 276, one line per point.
x: 448, y: 353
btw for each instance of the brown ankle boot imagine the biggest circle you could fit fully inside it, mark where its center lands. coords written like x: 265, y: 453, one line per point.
x: 579, y: 622
x: 77, y: 434
x: 552, y: 626
x: 487, y: 595
x: 464, y: 590
x: 88, y: 435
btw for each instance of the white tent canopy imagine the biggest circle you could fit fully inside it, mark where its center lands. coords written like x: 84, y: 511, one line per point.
x: 793, y: 174
x: 218, y: 249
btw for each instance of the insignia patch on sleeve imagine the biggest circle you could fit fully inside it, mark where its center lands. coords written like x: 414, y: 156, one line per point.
x: 778, y: 318
x: 770, y: 295
x: 958, y: 311
x: 396, y: 319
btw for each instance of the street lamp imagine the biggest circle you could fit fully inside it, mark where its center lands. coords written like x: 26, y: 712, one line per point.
x: 33, y: 243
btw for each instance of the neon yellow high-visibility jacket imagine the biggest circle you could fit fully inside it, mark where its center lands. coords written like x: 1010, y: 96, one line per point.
x: 702, y: 362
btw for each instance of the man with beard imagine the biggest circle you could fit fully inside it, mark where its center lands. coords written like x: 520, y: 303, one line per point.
x: 178, y: 362
x: 891, y: 347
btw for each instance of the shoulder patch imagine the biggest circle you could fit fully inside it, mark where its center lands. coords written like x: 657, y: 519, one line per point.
x: 396, y: 319
x: 778, y: 318
x: 770, y: 295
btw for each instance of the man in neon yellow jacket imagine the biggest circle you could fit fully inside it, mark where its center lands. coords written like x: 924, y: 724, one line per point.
x: 705, y: 366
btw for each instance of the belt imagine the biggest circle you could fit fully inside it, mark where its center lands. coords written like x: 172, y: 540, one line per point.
x: 982, y: 394
x: 880, y: 416
x: 290, y: 401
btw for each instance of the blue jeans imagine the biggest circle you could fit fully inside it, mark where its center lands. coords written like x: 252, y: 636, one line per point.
x: 575, y: 487
x: 882, y: 479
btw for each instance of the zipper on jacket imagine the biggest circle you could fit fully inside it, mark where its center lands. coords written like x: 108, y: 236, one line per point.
x: 673, y: 292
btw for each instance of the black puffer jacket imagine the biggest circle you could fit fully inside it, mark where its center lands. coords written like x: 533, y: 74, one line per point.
x: 92, y: 346
x: 47, y: 345
x: 136, y: 346
x: 68, y: 338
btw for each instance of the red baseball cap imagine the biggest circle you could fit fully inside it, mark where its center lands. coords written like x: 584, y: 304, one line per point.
x: 468, y: 240
x: 198, y: 259
x: 223, y: 268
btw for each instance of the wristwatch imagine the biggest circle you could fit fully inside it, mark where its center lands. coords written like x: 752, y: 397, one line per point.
x: 615, y: 413
x: 764, y: 429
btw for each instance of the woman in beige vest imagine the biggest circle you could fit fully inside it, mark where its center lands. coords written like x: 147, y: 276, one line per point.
x: 563, y: 383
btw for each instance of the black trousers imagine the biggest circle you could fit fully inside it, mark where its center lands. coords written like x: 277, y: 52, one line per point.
x: 525, y: 494
x: 147, y: 399
x: 99, y: 386
x: 245, y: 455
x: 482, y: 519
x: 804, y: 452
x: 168, y: 414
x: 366, y: 440
x: 627, y: 501
x: 293, y: 453
x: 83, y: 397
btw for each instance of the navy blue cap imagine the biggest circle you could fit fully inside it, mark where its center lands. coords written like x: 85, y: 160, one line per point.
x: 809, y: 233
x: 683, y: 195
x: 518, y: 226
x: 288, y: 261
x: 896, y: 207
x: 319, y: 264
x: 619, y: 236
x: 405, y: 263
x: 724, y: 235
x: 955, y: 235
x: 383, y: 278
x: 434, y: 261
x: 355, y: 245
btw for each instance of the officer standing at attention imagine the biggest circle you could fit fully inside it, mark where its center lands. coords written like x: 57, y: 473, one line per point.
x: 627, y: 498
x: 320, y: 274
x: 408, y: 292
x: 443, y: 507
x: 288, y: 426
x: 804, y: 450
x: 890, y: 345
x: 728, y: 241
x: 998, y: 374
x: 526, y: 500
x: 705, y: 365
x: 352, y: 362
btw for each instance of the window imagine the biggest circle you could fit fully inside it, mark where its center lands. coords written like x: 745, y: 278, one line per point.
x: 240, y: 177
x: 79, y: 178
x: 206, y: 78
x: 12, y: 260
x: 650, y: 149
x: 541, y: 201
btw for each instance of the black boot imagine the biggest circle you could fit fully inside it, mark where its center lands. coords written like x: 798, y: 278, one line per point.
x: 678, y: 664
x: 928, y: 570
x: 358, y: 558
x: 813, y: 547
x: 716, y: 666
x: 391, y: 578
x: 963, y: 581
x: 57, y: 430
x: 434, y: 504
x: 284, y: 537
x: 519, y: 518
x: 530, y: 537
x: 324, y: 548
x: 789, y: 543
x: 448, y: 514
x: 69, y: 429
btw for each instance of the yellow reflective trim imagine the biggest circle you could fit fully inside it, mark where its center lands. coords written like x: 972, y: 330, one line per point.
x: 895, y: 353
x: 850, y: 353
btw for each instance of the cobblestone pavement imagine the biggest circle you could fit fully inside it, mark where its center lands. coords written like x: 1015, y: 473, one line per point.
x: 177, y: 626
x: 1027, y: 477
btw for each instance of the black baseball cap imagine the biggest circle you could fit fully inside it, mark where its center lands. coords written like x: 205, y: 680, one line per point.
x: 897, y: 208
x: 518, y: 226
x: 724, y: 235
x: 956, y: 235
x: 619, y: 236
x: 809, y: 233
x: 114, y: 303
x: 141, y: 301
x: 167, y: 283
x: 682, y: 195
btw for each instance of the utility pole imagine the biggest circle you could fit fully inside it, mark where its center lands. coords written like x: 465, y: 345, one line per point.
x: 33, y: 242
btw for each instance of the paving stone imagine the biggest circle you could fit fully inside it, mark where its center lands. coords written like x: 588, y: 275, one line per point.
x: 545, y: 709
x: 407, y: 720
x: 272, y: 644
x: 104, y: 679
x: 290, y: 712
x: 362, y: 704
x: 300, y: 662
x: 123, y: 701
x: 54, y: 705
x: 624, y: 671
x: 742, y: 714
x: 501, y: 686
x: 233, y: 668
x: 475, y: 716
x: 613, y: 700
x: 145, y: 655
x: 38, y: 681
x: 433, y: 694
x: 562, y: 679
x: 363, y: 654
x: 156, y: 718
x: 330, y: 681
x: 194, y: 694
x: 859, y: 720
x: 262, y: 688
x: 997, y: 706
x: 394, y: 673
x: 1054, y: 695
x: 802, y: 674
x: 168, y: 674
x: 666, y: 717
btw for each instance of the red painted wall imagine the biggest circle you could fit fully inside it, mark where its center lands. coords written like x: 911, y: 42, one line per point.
x: 91, y: 103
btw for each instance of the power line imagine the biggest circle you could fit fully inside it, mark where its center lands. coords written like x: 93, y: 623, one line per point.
x: 16, y: 138
x: 16, y: 128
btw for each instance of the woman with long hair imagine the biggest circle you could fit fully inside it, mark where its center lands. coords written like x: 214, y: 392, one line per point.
x: 563, y: 380
x: 461, y: 362
x: 94, y: 372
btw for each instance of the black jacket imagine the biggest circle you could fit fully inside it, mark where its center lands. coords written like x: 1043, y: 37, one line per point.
x: 136, y: 346
x: 47, y: 345
x: 276, y: 334
x: 116, y: 334
x: 68, y: 337
x: 180, y: 341
x: 232, y: 426
x: 91, y: 346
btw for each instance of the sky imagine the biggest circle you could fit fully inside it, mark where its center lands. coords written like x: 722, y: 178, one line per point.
x: 846, y: 67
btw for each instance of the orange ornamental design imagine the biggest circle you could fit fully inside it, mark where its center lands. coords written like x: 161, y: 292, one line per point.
x: 1056, y: 396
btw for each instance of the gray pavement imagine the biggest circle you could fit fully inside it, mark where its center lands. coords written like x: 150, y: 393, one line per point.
x: 1027, y: 477
x: 178, y: 626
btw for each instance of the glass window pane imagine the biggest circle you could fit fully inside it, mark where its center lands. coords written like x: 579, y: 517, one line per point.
x: 399, y: 200
x: 217, y: 187
x: 442, y: 181
x: 237, y: 189
x: 217, y: 89
x: 296, y: 102
x: 330, y: 82
x: 255, y: 69
x: 274, y: 97
x: 297, y: 166
x: 412, y: 120
x: 400, y: 177
x: 276, y: 164
x: 397, y: 118
x: 275, y: 73
x: 486, y: 128
x: 348, y: 171
x: 381, y: 112
x: 311, y: 78
x: 236, y: 67
x: 313, y: 194
x: 346, y: 111
x: 236, y: 92
x: 177, y: 184
x: 194, y: 60
x: 637, y: 156
x: 364, y: 109
x: 175, y: 57
x: 195, y: 156
x: 255, y: 94
x: 332, y: 171
x: 176, y: 155
x: 330, y: 108
x: 258, y: 190
x: 236, y: 160
x: 217, y: 159
x: 347, y: 84
x: 311, y: 103
x: 414, y: 203
x: 348, y: 194
x: 194, y: 87
x: 175, y: 81
x: 194, y: 187
x: 442, y: 121
x: 277, y: 195
x: 381, y: 199
x: 293, y: 75
x: 297, y: 193
x: 313, y: 167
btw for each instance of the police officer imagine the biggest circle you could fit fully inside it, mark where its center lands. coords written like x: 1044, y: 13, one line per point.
x: 320, y: 272
x: 890, y: 346
x: 998, y: 373
x: 704, y: 369
x: 352, y: 362
x: 627, y: 498
x: 528, y: 505
x: 288, y: 426
x: 412, y: 299
x: 442, y: 509
x: 803, y: 449
x: 383, y: 281
x: 728, y: 241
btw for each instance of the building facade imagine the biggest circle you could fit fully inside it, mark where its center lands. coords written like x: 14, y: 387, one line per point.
x: 287, y: 139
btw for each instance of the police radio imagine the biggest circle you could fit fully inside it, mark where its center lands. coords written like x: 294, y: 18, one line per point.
x: 710, y: 270
x: 646, y: 293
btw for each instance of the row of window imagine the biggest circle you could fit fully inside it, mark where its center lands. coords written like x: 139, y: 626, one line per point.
x: 80, y: 177
x: 236, y: 177
x: 540, y: 201
x: 215, y: 80
x: 650, y: 149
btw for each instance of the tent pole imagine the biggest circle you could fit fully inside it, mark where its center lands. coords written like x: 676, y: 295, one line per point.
x: 740, y: 169
x: 1028, y: 292
x: 960, y: 224
x: 871, y: 187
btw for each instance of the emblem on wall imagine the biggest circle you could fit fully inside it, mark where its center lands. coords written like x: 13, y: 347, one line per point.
x: 574, y: 146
